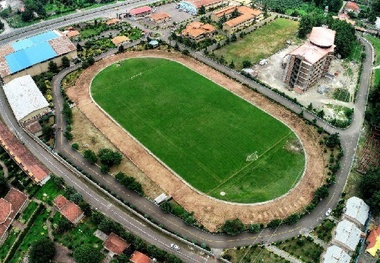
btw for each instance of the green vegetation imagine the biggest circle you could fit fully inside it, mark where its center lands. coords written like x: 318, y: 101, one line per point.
x: 48, y: 192
x: 267, y: 40
x: 303, y: 248
x: 370, y: 191
x: 253, y: 254
x: 376, y: 45
x: 341, y: 94
x: 38, y: 229
x: 87, y: 254
x: 6, y: 246
x: 42, y: 251
x: 29, y: 210
x: 210, y: 137
x: 81, y: 234
x: 324, y: 230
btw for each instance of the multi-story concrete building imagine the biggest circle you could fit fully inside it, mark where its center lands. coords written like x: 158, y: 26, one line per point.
x: 305, y: 65
x: 193, y: 6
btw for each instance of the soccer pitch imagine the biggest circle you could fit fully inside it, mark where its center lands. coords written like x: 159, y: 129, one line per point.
x: 216, y: 141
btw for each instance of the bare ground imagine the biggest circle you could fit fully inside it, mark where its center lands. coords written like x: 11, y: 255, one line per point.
x: 210, y: 212
x: 89, y: 137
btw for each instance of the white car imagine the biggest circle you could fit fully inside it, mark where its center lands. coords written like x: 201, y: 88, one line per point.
x: 174, y: 246
x: 328, y: 212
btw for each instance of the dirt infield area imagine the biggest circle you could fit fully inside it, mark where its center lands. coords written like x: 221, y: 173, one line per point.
x: 210, y: 212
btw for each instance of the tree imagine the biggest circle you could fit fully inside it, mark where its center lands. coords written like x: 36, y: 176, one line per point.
x: 254, y: 228
x: 79, y: 47
x: 75, y: 146
x: 109, y: 157
x: 274, y: 223
x: 332, y: 140
x: 120, y: 49
x: 3, y: 186
x: 247, y: 64
x: 27, y: 15
x: 65, y: 62
x: 322, y: 192
x: 232, y: 64
x: 90, y: 156
x: 47, y: 132
x: 235, y: 13
x: 58, y: 181
x: 87, y: 254
x: 42, y: 251
x: 370, y: 189
x: 233, y: 227
x: 292, y: 219
x: 372, y: 113
x: 53, y: 68
x: 202, y: 10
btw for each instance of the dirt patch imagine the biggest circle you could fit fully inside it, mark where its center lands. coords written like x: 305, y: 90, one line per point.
x: 345, y: 77
x: 89, y: 137
x: 208, y: 211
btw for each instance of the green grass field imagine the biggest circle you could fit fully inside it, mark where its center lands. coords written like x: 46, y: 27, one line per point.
x: 261, y: 43
x: 200, y: 130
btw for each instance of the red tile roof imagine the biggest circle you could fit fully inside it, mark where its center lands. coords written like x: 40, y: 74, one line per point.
x: 205, y: 3
x: 28, y: 162
x: 138, y: 257
x: 5, y: 210
x: 16, y: 199
x: 68, y: 209
x: 140, y: 10
x: 60, y: 201
x: 372, y: 237
x: 352, y: 6
x: 115, y: 244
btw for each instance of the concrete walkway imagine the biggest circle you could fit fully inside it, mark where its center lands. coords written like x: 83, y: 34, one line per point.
x: 5, y: 169
x: 318, y: 241
x: 282, y: 254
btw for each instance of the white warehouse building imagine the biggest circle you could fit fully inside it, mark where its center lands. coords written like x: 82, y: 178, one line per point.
x: 26, y: 100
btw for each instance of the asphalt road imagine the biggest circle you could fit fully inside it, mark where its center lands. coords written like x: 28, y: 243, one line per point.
x: 349, y: 139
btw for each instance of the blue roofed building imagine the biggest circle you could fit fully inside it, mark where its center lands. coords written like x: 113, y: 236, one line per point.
x: 31, y: 56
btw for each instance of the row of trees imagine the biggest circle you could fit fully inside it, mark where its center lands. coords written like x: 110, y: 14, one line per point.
x: 107, y: 157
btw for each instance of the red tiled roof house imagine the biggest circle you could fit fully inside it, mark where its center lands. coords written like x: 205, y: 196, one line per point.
x: 13, y: 203
x: 115, y: 244
x: 68, y: 209
x: 138, y: 257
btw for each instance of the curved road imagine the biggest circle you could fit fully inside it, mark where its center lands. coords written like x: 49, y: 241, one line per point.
x: 349, y: 139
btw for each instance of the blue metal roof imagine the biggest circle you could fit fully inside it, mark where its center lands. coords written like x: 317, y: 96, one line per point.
x: 25, y: 58
x: 31, y: 41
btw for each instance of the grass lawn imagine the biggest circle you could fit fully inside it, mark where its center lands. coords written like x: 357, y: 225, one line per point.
x: 213, y: 139
x: 254, y: 254
x: 48, y: 192
x: 81, y: 234
x: 261, y: 43
x: 36, y: 232
x: 6, y: 246
x: 376, y: 45
x: 302, y: 248
x: 323, y: 231
x: 29, y: 211
x: 376, y: 80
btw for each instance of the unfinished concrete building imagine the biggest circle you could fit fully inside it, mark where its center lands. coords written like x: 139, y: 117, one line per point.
x: 305, y: 65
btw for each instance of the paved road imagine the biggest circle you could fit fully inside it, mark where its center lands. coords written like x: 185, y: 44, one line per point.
x: 349, y: 139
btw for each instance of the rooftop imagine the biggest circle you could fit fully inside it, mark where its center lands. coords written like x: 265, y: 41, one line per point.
x: 25, y: 53
x: 373, y: 241
x: 27, y: 161
x: 5, y: 210
x: 119, y: 40
x: 200, y: 3
x: 112, y: 21
x: 140, y: 10
x: 138, y: 257
x: 352, y: 6
x: 356, y: 208
x: 196, y: 29
x: 310, y: 52
x: 67, y: 208
x: 348, y: 234
x: 15, y: 199
x: 158, y: 16
x: 246, y: 14
x: 24, y: 96
x: 322, y: 37
x: 335, y: 254
x: 115, y: 244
